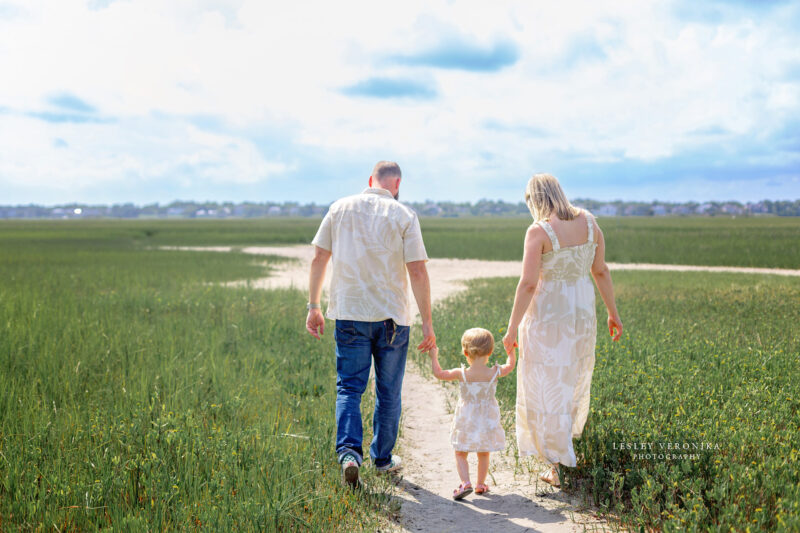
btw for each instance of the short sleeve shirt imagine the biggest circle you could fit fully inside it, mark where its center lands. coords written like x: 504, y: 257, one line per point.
x: 371, y: 237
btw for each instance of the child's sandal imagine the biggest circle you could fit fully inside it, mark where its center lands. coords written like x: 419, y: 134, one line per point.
x: 463, y: 490
x: 482, y: 488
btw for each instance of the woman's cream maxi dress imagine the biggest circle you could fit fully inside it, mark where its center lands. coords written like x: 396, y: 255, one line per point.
x: 556, y: 343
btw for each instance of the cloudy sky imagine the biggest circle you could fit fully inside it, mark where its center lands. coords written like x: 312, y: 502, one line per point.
x: 106, y: 101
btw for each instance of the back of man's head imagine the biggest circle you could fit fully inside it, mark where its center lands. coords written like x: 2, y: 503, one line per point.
x: 386, y: 169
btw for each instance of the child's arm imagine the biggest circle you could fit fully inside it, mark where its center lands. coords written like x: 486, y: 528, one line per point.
x: 444, y: 375
x: 511, y: 362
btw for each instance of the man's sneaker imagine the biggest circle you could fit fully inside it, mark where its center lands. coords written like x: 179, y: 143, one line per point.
x: 394, y: 466
x: 350, y: 470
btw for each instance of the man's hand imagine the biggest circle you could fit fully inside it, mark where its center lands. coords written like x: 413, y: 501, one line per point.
x: 315, y: 323
x: 429, y: 339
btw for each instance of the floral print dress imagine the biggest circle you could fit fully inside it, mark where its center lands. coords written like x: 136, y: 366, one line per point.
x: 556, y: 344
x: 476, y: 421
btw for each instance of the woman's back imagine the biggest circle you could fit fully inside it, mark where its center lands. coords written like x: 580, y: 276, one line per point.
x: 554, y: 324
x: 573, y: 259
x: 571, y: 232
x: 556, y: 342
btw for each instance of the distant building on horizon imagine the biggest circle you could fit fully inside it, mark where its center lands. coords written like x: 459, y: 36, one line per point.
x: 606, y: 210
x: 428, y: 208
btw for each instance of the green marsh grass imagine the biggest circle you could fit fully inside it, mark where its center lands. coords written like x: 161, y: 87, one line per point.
x: 750, y: 241
x: 705, y: 358
x: 137, y: 394
x: 755, y: 242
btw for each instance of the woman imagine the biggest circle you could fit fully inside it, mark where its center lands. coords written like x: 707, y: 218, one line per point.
x: 554, y: 319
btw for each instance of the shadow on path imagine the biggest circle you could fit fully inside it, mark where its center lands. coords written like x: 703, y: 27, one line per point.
x: 490, y: 512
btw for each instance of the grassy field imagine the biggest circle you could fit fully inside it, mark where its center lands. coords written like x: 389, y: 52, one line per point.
x: 136, y: 395
x: 705, y: 358
x: 758, y: 242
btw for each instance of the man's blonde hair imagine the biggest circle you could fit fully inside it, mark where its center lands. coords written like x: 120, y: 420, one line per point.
x: 477, y: 342
x: 545, y: 196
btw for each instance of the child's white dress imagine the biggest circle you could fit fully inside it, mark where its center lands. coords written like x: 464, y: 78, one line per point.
x: 476, y: 422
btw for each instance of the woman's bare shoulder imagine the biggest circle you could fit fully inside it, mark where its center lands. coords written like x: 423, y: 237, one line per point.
x: 535, y: 230
x: 536, y: 238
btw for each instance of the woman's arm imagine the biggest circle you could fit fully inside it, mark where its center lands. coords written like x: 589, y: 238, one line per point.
x: 602, y: 277
x: 444, y: 375
x: 531, y: 265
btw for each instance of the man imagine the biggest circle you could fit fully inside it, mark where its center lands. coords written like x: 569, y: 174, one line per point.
x: 372, y: 240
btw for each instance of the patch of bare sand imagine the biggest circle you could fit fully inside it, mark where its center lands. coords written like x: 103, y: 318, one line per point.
x: 518, y: 500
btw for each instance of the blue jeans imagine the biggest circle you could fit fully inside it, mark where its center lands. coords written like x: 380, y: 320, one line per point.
x: 357, y: 344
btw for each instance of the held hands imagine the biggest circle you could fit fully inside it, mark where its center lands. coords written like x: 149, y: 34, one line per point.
x: 510, y: 341
x: 429, y: 339
x: 315, y: 323
x: 615, y: 322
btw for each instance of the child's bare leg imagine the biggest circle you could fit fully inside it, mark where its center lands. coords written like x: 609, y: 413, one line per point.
x: 462, y: 466
x: 483, y: 467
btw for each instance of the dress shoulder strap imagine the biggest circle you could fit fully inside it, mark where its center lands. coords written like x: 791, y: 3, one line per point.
x: 496, y: 374
x: 550, y: 233
x: 589, y: 225
x: 463, y: 375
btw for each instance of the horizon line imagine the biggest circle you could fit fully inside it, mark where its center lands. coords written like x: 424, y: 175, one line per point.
x: 426, y: 201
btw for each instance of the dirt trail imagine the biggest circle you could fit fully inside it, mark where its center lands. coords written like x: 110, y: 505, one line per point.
x: 518, y: 501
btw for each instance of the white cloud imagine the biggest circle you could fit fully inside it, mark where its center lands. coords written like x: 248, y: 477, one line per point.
x: 628, y: 81
x: 70, y: 156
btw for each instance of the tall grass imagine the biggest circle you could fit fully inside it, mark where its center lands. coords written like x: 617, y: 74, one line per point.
x: 136, y: 394
x: 705, y: 358
x: 758, y: 242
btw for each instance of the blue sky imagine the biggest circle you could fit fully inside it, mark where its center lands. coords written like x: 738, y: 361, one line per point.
x: 109, y: 101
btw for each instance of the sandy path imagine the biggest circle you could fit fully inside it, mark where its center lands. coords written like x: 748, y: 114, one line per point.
x: 518, y: 501
x: 447, y: 275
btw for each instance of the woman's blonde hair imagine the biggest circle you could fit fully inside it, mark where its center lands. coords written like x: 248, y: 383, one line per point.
x: 477, y: 342
x: 545, y: 196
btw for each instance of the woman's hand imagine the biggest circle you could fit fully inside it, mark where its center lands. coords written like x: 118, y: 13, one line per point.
x: 510, y: 341
x: 615, y: 322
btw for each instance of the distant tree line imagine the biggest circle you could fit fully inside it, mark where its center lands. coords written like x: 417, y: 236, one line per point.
x: 182, y: 209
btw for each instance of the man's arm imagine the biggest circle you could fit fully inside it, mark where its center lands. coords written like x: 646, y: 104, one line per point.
x: 315, y: 321
x: 421, y: 286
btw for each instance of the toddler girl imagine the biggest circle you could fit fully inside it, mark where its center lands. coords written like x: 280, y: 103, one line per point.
x: 476, y: 421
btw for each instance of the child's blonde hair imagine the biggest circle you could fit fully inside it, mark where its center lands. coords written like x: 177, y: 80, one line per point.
x: 477, y: 342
